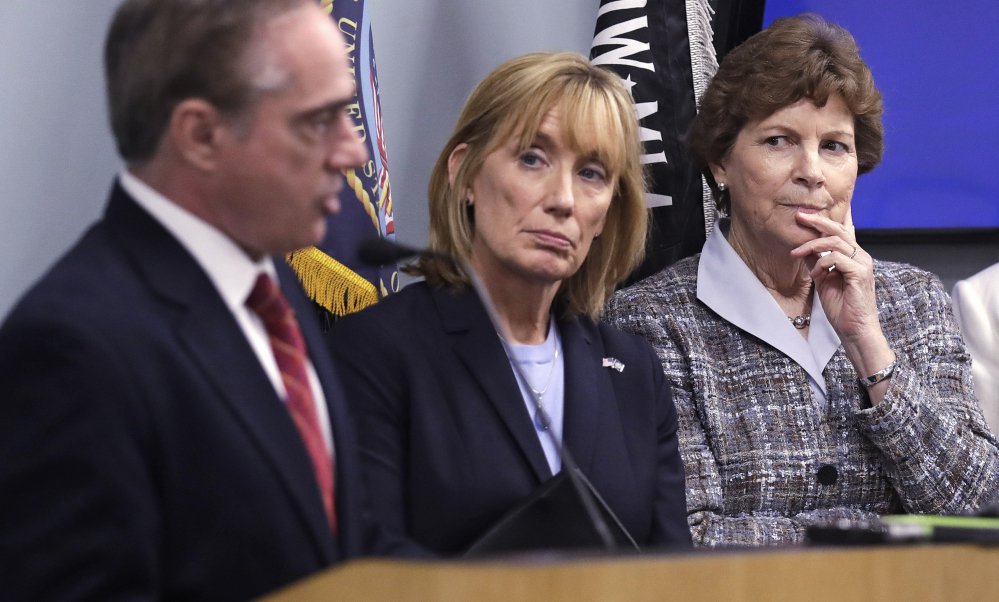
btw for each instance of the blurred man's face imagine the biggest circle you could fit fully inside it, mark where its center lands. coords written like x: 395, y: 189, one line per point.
x: 280, y: 176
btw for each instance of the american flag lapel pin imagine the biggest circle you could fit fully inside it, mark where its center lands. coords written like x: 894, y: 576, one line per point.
x: 614, y: 364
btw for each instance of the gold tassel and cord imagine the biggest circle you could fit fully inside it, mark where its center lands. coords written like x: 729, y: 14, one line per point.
x: 330, y: 283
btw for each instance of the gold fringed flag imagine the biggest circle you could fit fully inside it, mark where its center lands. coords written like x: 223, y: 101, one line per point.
x: 330, y: 272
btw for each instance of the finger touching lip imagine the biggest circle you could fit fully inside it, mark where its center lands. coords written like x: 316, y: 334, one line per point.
x: 814, y: 216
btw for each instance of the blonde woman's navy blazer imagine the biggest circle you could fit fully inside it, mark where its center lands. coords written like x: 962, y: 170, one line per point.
x: 446, y: 440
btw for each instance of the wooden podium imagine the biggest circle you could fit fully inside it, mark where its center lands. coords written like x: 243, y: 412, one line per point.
x: 915, y: 572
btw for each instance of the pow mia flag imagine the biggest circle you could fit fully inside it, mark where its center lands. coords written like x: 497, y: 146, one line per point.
x: 663, y: 51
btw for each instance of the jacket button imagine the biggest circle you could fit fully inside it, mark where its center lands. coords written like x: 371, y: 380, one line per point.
x: 828, y: 474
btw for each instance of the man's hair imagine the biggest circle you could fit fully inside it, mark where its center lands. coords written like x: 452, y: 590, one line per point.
x: 161, y: 52
x: 795, y: 58
x: 597, y: 119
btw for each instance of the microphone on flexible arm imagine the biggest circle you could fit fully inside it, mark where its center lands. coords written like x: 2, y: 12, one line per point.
x: 380, y: 251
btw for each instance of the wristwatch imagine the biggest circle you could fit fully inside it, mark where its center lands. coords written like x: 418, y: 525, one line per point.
x: 883, y: 374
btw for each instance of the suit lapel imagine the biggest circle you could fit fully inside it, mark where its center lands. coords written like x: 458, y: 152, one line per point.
x: 210, y: 333
x: 215, y: 341
x: 587, y: 391
x: 477, y: 345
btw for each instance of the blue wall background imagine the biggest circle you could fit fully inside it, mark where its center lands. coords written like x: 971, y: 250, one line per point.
x: 935, y: 63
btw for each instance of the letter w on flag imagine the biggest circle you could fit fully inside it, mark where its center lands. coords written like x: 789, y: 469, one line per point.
x: 663, y: 51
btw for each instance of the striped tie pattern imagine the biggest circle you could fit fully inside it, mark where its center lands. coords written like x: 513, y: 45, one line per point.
x: 267, y: 301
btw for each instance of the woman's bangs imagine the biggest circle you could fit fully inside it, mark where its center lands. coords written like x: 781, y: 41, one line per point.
x: 592, y: 128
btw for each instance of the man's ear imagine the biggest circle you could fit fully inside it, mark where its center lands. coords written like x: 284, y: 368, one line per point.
x: 196, y: 130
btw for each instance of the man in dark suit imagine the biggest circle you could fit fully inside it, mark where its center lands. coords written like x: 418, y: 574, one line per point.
x: 167, y: 428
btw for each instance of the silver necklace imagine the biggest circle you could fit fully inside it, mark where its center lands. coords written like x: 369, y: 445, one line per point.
x: 541, y: 419
x: 801, y: 322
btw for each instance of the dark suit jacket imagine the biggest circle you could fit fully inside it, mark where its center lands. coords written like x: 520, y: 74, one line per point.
x: 143, y: 450
x: 448, y: 446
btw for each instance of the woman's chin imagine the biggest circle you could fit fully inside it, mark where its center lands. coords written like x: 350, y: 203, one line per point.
x: 548, y: 272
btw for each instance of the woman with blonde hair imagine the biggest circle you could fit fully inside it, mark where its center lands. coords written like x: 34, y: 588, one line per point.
x: 540, y: 191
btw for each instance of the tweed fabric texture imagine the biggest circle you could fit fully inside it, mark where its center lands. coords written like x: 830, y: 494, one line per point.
x: 753, y: 436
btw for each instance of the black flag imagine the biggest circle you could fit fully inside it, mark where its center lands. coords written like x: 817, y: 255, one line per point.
x: 665, y: 54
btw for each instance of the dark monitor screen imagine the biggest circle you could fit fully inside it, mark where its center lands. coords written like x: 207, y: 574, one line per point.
x: 937, y: 66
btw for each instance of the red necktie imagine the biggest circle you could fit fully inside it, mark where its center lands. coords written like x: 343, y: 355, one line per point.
x: 267, y: 302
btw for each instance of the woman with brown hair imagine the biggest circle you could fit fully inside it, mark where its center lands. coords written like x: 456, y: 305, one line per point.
x: 812, y: 381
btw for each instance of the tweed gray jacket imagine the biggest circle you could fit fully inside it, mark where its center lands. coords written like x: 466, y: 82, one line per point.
x: 754, y: 438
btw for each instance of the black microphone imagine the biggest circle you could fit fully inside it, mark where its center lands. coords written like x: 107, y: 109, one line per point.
x: 378, y: 251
